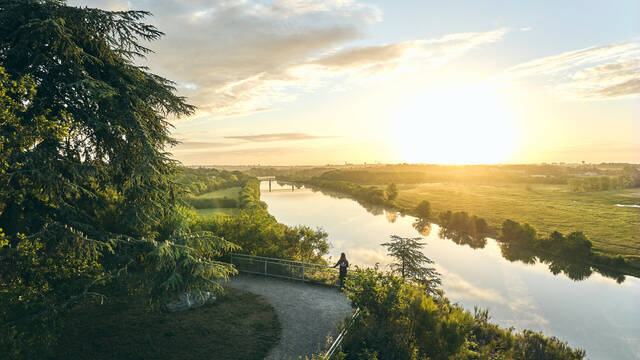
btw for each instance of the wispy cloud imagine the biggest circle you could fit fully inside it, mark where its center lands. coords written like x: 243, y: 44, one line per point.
x: 603, y: 72
x: 428, y: 52
x: 238, y: 57
x: 197, y: 145
x: 459, y: 288
x: 277, y: 137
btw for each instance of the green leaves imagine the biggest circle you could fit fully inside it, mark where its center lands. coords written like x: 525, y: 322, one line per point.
x: 87, y: 200
x: 411, y: 264
x: 398, y: 320
x: 187, y: 262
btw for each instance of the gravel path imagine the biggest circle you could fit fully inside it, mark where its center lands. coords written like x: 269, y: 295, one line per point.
x: 308, y: 313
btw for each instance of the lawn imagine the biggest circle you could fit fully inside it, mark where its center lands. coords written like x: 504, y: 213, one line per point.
x: 612, y: 229
x: 239, y: 325
x: 231, y: 193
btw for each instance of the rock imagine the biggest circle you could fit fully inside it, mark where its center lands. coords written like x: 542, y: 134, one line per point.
x: 191, y: 300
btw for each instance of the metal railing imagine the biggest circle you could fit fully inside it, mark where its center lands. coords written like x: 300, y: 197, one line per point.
x: 294, y: 270
x: 336, y: 343
x: 286, y: 269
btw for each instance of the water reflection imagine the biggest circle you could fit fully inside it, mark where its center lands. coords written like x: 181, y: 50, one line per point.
x: 423, y: 227
x: 392, y: 216
x: 520, y: 288
x: 572, y: 268
x: 460, y: 238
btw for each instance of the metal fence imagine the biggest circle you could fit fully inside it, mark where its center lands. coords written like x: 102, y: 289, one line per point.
x: 336, y: 343
x: 294, y: 270
x: 286, y: 269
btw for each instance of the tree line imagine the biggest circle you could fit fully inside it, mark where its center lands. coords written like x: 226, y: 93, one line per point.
x: 571, y: 254
x: 203, y: 180
x: 602, y: 183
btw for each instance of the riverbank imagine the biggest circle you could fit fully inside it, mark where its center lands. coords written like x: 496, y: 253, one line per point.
x: 596, y: 313
x: 521, y: 248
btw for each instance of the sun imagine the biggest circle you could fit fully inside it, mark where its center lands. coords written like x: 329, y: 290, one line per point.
x: 456, y: 125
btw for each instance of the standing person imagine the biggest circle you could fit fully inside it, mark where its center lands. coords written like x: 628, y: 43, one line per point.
x: 344, y: 264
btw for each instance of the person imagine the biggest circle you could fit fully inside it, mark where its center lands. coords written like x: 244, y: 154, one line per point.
x: 344, y: 264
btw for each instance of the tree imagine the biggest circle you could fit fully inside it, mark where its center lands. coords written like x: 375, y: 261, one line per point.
x: 391, y: 192
x: 423, y: 210
x: 87, y: 201
x: 411, y: 264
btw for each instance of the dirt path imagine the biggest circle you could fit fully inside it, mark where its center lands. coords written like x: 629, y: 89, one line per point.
x: 308, y: 314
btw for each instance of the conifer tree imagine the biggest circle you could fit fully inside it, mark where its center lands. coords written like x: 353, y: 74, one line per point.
x: 86, y: 196
x: 411, y: 264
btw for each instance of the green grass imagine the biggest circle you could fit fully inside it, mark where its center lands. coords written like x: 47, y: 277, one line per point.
x: 232, y: 193
x: 612, y: 229
x: 239, y: 325
x: 217, y: 211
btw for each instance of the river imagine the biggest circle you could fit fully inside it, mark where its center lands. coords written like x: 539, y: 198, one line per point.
x: 596, y: 314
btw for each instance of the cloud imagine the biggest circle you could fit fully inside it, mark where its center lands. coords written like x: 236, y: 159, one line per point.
x: 277, y: 137
x: 217, y: 156
x: 604, y: 72
x: 196, y: 145
x: 238, y: 57
x: 458, y: 288
x: 373, y: 60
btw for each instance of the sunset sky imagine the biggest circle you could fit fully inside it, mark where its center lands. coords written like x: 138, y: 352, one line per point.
x: 301, y: 82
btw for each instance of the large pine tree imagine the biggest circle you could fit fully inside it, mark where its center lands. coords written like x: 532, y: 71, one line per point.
x: 86, y: 197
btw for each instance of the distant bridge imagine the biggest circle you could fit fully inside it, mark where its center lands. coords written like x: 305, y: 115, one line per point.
x: 270, y: 179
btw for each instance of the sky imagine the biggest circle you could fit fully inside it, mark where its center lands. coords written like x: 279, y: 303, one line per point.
x: 304, y: 82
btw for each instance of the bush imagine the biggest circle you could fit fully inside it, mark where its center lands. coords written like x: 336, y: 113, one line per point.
x: 398, y: 320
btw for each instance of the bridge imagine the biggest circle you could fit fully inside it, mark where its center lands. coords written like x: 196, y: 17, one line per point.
x: 270, y: 179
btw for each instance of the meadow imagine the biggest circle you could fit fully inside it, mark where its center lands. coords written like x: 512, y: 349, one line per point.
x: 217, y: 211
x: 545, y: 196
x: 547, y: 207
x: 231, y: 193
x: 228, y: 193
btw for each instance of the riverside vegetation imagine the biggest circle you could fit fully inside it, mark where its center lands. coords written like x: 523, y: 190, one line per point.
x: 471, y: 230
x: 404, y: 315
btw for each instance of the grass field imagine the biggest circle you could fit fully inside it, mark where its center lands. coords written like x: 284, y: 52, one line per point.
x: 217, y: 211
x: 232, y: 193
x: 612, y: 229
x: 239, y: 325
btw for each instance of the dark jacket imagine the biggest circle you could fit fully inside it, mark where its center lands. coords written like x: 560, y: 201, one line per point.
x: 344, y: 264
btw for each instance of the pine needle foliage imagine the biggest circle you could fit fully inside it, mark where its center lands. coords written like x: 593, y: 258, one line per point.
x: 411, y: 263
x: 87, y: 202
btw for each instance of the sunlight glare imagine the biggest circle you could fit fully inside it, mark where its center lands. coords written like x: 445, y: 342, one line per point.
x: 457, y: 125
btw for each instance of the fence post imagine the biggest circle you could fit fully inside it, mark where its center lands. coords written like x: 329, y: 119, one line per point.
x: 302, y: 273
x: 265, y: 264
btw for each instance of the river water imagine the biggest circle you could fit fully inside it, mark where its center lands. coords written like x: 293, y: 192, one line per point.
x: 596, y: 314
